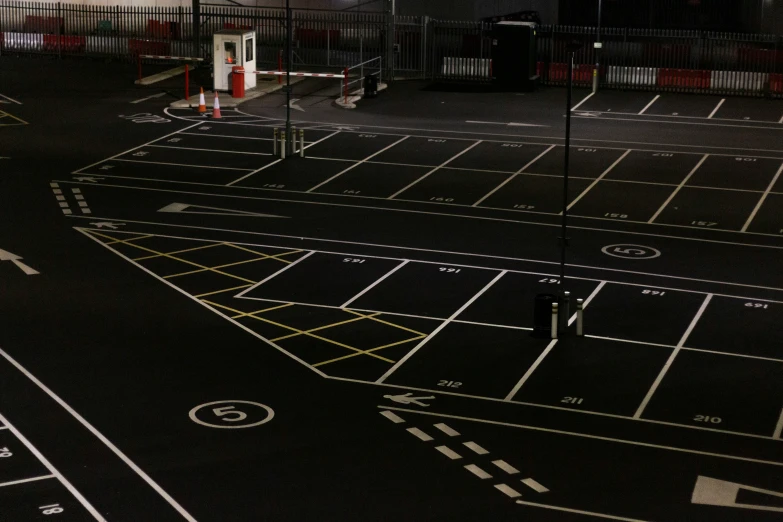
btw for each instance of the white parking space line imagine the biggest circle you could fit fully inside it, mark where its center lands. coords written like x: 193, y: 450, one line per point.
x: 480, y: 473
x: 373, y: 285
x: 778, y: 427
x: 23, y: 481
x: 439, y: 328
x: 598, y: 179
x: 447, y: 430
x: 243, y: 292
x: 178, y: 164
x: 511, y: 492
x: 10, y: 99
x: 416, y: 432
x: 761, y: 201
x: 434, y: 170
x: 535, y: 485
x: 475, y: 448
x: 371, y: 156
x: 477, y: 203
x: 780, y: 120
x: 679, y: 187
x: 649, y: 104
x: 212, y: 150
x: 83, y: 501
x: 716, y: 108
x: 396, y: 419
x: 226, y: 136
x: 575, y: 107
x: 673, y: 355
x: 453, y: 455
x: 277, y: 161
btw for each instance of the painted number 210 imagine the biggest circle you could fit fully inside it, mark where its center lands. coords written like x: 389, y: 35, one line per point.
x: 708, y: 419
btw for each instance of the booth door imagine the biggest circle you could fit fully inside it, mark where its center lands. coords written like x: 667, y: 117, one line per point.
x: 249, y: 63
x: 226, y: 57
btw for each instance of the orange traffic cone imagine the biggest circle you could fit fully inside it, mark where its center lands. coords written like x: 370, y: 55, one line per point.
x: 216, y: 108
x: 202, y: 103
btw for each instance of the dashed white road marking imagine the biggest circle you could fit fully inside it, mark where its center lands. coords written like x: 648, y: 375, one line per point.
x: 505, y: 466
x: 480, y: 473
x: 396, y: 419
x: 453, y: 455
x: 447, y: 430
x: 511, y: 492
x: 475, y: 447
x: 420, y: 434
x: 534, y: 485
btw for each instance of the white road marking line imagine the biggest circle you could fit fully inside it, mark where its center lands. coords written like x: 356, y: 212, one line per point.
x: 243, y: 292
x: 67, y: 211
x: 575, y: 107
x: 149, y: 97
x: 549, y: 347
x: 679, y: 187
x: 57, y: 191
x: 76, y: 191
x: 11, y: 99
x: 716, y: 108
x: 673, y: 355
x: 447, y: 430
x: 589, y: 436
x: 534, y: 485
x: 480, y: 201
x: 79, y: 197
x: 396, y: 419
x: 598, y: 179
x: 211, y: 150
x: 505, y: 466
x: 480, y: 473
x: 178, y: 164
x: 778, y: 427
x: 780, y: 120
x: 228, y: 136
x: 453, y: 455
x: 580, y: 512
x: 276, y: 161
x: 439, y: 328
x: 60, y: 198
x: 356, y: 165
x: 761, y: 201
x: 419, y: 434
x: 83, y: 501
x: 136, y: 148
x: 511, y: 492
x: 649, y: 104
x: 772, y: 126
x: 373, y: 285
x: 22, y: 481
x: 475, y: 447
x: 433, y: 170
x: 63, y: 204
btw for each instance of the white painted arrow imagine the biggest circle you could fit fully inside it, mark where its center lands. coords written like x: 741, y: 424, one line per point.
x: 293, y: 105
x: 714, y: 492
x: 91, y: 179
x: 212, y: 211
x: 407, y: 399
x: 8, y: 256
x: 107, y: 224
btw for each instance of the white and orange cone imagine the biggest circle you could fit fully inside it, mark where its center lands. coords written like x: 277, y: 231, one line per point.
x: 216, y: 108
x: 202, y: 103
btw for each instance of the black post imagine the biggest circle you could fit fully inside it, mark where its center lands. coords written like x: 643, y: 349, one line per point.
x: 196, y: 22
x: 564, y: 231
x: 289, y: 51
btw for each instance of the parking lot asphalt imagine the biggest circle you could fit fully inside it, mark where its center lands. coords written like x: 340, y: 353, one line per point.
x: 190, y: 320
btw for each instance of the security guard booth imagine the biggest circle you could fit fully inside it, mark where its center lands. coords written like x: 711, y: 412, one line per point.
x: 514, y: 55
x: 234, y: 47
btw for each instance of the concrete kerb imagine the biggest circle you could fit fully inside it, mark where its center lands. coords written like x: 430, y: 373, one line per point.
x: 354, y: 97
x: 228, y: 101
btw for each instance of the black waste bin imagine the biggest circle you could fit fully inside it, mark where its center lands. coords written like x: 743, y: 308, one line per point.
x: 542, y: 314
x: 370, y: 86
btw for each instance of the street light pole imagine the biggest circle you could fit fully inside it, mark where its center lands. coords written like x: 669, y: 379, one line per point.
x: 597, y: 49
x: 564, y: 227
x: 289, y: 59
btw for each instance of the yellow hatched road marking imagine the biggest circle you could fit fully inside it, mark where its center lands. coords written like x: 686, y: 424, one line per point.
x: 370, y: 351
x: 210, y: 245
x: 226, y: 265
x: 245, y: 314
x: 4, y: 114
x: 131, y: 239
x: 177, y: 259
x: 275, y: 256
x: 372, y: 317
x: 224, y: 290
x: 352, y: 320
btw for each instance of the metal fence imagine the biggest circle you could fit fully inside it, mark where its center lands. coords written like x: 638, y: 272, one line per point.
x: 730, y: 63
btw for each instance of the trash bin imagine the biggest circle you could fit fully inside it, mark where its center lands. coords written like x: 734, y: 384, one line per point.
x: 370, y: 86
x: 238, y: 81
x: 542, y: 314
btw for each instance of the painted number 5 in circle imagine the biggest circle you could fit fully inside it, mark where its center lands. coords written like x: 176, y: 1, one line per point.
x: 231, y: 414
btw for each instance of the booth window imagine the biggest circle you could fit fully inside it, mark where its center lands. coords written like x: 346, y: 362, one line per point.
x: 249, y: 44
x: 230, y: 51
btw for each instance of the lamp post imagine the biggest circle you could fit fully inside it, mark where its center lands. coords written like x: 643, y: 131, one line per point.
x: 289, y: 52
x: 597, y: 49
x: 571, y: 48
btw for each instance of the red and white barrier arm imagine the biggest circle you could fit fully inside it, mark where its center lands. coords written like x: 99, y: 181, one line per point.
x: 315, y: 75
x: 171, y: 57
